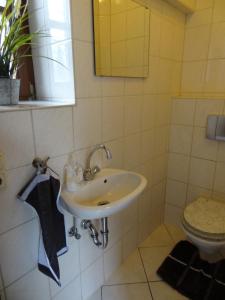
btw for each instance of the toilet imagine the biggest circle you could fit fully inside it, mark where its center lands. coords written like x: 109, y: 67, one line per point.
x: 203, y: 222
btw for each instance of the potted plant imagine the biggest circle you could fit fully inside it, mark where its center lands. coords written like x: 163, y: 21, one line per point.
x: 15, y: 43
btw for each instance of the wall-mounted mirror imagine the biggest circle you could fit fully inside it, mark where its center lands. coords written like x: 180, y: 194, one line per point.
x: 121, y: 32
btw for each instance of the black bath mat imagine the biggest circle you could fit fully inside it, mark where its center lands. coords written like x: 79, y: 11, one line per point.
x: 195, y: 278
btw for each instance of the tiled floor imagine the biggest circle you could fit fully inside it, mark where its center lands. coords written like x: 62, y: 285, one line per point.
x: 136, y: 279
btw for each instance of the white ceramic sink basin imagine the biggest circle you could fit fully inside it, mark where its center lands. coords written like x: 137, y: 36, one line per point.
x: 108, y: 193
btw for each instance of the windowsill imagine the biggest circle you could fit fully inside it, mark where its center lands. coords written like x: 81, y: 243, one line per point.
x: 32, y: 105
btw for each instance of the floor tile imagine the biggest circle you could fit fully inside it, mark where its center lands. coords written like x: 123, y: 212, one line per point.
x: 126, y: 292
x: 152, y: 259
x: 131, y: 271
x: 162, y: 291
x: 159, y: 237
x: 176, y: 233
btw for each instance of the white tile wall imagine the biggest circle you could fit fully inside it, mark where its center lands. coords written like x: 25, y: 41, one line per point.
x: 203, y: 63
x: 53, y: 131
x: 69, y: 268
x: 199, y: 172
x: 33, y: 285
x: 16, y: 132
x: 19, y: 250
x: 131, y: 116
x: 112, y: 259
x: 87, y: 133
x: 89, y: 281
x: 73, y: 288
x: 14, y: 212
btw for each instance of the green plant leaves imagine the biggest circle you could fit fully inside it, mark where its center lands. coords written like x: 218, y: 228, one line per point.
x: 15, y: 39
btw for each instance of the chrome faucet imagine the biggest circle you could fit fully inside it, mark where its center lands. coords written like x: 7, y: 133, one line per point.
x: 89, y: 172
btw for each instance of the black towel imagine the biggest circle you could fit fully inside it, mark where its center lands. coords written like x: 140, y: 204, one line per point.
x: 192, y: 276
x: 42, y: 193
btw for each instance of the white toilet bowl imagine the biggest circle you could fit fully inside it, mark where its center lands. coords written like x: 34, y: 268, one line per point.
x: 203, y: 222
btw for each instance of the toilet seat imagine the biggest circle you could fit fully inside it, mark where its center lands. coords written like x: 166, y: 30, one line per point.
x: 205, y: 218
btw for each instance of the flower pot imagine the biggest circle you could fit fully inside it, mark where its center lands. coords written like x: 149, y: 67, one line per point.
x: 9, y: 91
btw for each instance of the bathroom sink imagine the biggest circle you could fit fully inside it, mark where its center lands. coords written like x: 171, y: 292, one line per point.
x: 108, y: 193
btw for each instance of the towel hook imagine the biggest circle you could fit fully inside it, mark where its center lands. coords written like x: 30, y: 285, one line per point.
x: 40, y: 164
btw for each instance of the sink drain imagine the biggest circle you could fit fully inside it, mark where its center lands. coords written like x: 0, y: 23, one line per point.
x: 103, y: 203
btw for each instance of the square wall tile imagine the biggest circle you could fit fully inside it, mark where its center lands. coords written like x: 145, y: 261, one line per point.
x: 112, y: 118
x: 112, y: 86
x: 176, y: 193
x: 69, y: 268
x: 53, y: 130
x: 159, y: 166
x: 112, y: 259
x: 202, y: 4
x: 73, y: 289
x: 130, y: 216
x: 178, y: 167
x: 193, y: 76
x: 203, y: 147
x: 205, y: 108
x: 130, y: 241
x: 157, y: 204
x: 199, y: 37
x: 87, y: 122
x: 33, y: 285
x: 217, y: 48
x: 183, y: 112
x: 89, y: 253
x: 219, y: 185
x: 144, y: 205
x: 201, y: 17
x: 116, y: 229
x: 90, y: 283
x: 155, y: 30
x: 87, y: 84
x: 181, y: 139
x: 148, y: 111
x: 134, y: 86
x: 202, y: 172
x: 219, y: 11
x: 14, y: 212
x: 81, y: 15
x: 19, y: 251
x: 173, y: 214
x: 147, y: 146
x: 133, y: 105
x: 161, y: 140
x: 214, y: 81
x: 132, y: 151
x: 195, y: 192
x: 16, y: 138
x: 221, y: 152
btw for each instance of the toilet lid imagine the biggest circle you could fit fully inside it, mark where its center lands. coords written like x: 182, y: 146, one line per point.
x: 206, y: 217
